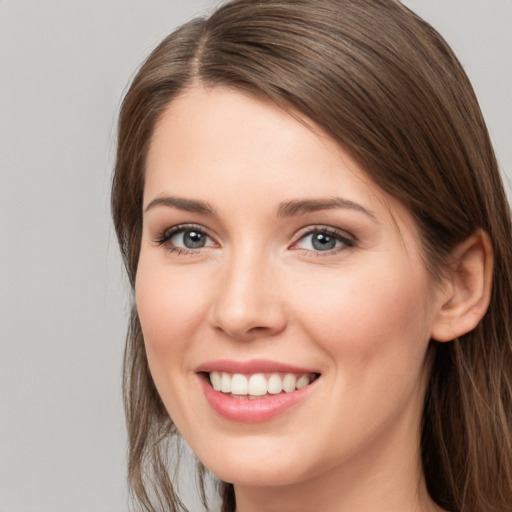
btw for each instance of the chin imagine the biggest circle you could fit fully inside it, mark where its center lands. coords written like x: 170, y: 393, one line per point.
x: 258, y: 461
x: 258, y: 474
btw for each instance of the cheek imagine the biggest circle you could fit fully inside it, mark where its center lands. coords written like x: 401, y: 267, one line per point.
x: 170, y: 308
x: 375, y: 333
x: 380, y: 316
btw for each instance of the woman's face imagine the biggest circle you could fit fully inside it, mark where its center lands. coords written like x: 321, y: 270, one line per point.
x: 269, y: 260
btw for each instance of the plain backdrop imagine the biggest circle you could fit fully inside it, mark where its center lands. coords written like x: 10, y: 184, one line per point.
x: 63, y: 298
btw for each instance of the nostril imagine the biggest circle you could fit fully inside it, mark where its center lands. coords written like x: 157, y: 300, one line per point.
x: 257, y: 329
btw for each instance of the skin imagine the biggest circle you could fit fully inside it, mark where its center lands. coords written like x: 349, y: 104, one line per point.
x: 361, y: 314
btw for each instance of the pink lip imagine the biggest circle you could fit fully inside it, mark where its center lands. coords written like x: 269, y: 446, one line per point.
x: 244, y: 410
x: 250, y: 367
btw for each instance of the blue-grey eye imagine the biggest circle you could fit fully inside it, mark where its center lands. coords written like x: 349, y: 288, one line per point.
x: 190, y: 239
x: 322, y: 241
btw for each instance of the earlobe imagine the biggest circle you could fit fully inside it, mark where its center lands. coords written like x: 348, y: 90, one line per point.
x: 465, y: 296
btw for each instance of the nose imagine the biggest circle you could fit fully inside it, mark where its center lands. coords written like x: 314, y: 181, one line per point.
x: 248, y: 303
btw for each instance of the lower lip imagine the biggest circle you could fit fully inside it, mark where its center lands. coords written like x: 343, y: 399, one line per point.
x: 244, y: 410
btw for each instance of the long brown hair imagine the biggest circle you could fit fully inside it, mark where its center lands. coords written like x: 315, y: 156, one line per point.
x: 387, y: 87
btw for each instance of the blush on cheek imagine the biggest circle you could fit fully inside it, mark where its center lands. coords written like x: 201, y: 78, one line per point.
x: 153, y: 316
x: 168, y: 310
x: 362, y: 317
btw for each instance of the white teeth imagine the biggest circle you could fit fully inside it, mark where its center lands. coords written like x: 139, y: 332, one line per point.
x: 239, y: 384
x: 216, y: 380
x: 289, y: 382
x: 302, y: 382
x: 258, y: 384
x: 225, y: 383
x: 275, y: 384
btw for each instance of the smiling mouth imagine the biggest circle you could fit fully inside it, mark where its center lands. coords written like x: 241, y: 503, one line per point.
x: 258, y: 385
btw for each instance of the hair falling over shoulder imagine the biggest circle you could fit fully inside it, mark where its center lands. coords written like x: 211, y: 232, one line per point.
x: 387, y: 87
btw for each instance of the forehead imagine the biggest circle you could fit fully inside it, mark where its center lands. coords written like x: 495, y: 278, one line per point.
x: 219, y: 131
x: 218, y: 144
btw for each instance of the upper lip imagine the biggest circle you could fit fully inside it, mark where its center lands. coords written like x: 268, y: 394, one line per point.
x: 250, y: 367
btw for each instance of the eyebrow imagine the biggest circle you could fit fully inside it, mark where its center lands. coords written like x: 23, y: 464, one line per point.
x: 301, y: 206
x: 285, y: 209
x: 188, y: 205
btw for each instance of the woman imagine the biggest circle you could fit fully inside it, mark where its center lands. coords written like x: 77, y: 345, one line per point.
x: 312, y: 219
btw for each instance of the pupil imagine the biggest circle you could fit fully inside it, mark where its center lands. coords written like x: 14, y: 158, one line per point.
x: 193, y: 239
x: 323, y: 242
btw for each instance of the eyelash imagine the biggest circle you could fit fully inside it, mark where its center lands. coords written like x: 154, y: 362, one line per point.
x: 346, y: 240
x: 166, y: 235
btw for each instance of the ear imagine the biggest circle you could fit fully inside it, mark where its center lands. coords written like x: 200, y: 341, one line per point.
x: 466, y: 291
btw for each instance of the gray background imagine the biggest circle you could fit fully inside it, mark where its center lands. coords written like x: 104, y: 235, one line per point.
x: 63, y: 297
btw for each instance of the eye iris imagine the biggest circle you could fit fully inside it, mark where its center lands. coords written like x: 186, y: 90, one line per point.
x: 323, y: 242
x: 193, y: 239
